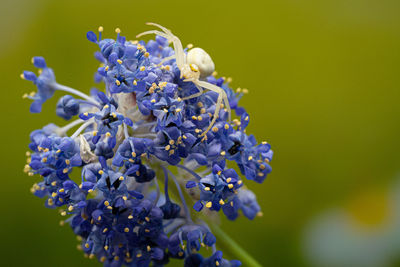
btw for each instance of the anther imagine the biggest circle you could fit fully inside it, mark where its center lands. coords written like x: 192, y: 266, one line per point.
x: 221, y: 202
x: 142, y: 68
x: 121, y: 178
x: 117, y: 30
x: 209, y: 204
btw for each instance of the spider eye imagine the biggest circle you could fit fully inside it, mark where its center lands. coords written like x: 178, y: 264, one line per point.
x: 194, y: 67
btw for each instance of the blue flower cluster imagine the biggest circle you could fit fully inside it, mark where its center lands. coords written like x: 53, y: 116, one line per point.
x: 132, y: 140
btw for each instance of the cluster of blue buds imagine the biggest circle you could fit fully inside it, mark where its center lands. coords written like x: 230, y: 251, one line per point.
x: 144, y: 166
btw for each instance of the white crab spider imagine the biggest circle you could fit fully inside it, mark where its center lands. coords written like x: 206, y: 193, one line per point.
x: 194, y: 65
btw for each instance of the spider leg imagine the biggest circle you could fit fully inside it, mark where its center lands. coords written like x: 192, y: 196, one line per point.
x: 216, y: 115
x: 168, y: 37
x: 196, y: 94
x: 179, y: 53
x: 165, y: 59
x: 161, y: 27
x: 227, y: 105
x: 218, y: 90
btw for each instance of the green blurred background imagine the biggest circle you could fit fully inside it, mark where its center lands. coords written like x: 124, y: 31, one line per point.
x: 324, y: 90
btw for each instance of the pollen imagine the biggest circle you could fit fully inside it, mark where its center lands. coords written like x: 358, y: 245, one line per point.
x: 126, y: 230
x: 230, y: 186
x: 67, y: 161
x: 121, y: 178
x: 117, y: 30
x: 119, y: 61
x: 142, y: 68
x: 221, y: 202
x: 117, y: 82
x: 100, y: 29
x: 228, y: 180
x: 209, y: 204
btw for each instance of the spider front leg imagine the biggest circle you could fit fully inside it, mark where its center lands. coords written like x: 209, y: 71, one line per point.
x: 179, y: 53
x: 165, y: 59
x: 166, y: 36
x: 221, y: 93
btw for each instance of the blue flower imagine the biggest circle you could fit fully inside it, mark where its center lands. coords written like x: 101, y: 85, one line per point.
x: 67, y: 107
x: 44, y: 83
x: 141, y: 135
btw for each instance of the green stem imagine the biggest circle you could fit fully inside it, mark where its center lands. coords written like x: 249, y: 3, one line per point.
x: 230, y: 244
